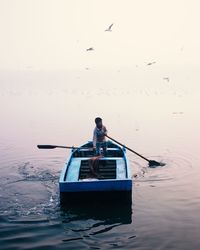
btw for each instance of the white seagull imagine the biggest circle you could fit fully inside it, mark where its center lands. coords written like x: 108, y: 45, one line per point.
x: 109, y: 28
x: 89, y: 49
x: 148, y: 64
x: 166, y: 79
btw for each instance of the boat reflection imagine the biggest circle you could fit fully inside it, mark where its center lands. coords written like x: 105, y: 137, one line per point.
x: 105, y: 214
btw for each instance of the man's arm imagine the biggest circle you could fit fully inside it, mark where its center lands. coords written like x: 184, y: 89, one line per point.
x: 94, y: 138
x: 105, y: 131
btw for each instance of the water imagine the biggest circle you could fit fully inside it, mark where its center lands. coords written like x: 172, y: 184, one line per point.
x: 156, y: 118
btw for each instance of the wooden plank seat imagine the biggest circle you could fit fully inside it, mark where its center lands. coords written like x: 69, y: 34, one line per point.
x: 111, y: 152
x: 106, y: 169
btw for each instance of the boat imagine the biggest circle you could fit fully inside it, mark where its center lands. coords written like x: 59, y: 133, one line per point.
x: 86, y: 177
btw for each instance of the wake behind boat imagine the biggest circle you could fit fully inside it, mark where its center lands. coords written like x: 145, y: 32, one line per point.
x: 88, y: 178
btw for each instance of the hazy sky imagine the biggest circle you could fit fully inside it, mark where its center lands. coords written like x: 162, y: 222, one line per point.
x: 54, y: 34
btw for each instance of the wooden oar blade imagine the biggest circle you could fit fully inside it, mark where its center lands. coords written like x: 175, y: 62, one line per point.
x: 46, y: 146
x: 153, y: 164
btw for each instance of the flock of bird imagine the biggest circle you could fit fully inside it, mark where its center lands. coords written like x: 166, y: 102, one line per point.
x: 109, y: 29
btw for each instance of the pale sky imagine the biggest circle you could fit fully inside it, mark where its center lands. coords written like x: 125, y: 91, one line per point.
x: 54, y: 34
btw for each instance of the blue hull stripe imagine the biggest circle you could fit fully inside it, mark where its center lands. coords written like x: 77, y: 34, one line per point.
x: 84, y: 186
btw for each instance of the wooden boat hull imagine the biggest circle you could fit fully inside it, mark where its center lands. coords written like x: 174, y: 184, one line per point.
x: 114, y: 183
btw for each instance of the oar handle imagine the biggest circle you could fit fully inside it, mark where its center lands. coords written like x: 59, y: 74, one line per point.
x: 54, y: 146
x: 128, y: 148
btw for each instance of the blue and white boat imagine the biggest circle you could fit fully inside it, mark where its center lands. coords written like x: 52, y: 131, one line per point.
x: 112, y: 183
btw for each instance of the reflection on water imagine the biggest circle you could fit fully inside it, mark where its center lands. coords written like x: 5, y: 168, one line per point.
x: 108, y: 213
x: 157, y: 119
x: 95, y: 218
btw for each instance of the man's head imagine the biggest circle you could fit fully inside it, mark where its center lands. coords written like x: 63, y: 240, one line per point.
x: 98, y: 122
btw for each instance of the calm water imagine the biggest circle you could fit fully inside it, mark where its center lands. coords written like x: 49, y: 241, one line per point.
x: 156, y: 118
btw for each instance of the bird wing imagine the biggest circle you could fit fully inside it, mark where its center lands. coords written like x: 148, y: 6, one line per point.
x: 151, y: 63
x: 110, y: 26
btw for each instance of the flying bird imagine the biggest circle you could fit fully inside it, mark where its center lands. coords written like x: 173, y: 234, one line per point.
x: 109, y: 28
x: 89, y: 49
x: 166, y: 78
x: 148, y: 64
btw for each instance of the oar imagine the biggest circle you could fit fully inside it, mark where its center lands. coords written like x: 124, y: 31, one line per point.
x: 54, y: 146
x: 152, y: 163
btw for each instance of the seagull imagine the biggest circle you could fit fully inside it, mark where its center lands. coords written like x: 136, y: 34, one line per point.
x: 166, y: 78
x: 89, y: 49
x: 148, y: 64
x: 109, y: 28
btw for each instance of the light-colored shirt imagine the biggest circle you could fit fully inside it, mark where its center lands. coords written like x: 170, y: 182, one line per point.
x: 98, y: 135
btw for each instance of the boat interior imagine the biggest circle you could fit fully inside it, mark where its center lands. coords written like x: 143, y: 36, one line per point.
x: 85, y: 165
x: 101, y: 169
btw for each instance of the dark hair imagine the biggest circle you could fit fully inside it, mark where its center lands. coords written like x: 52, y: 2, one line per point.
x: 97, y: 120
